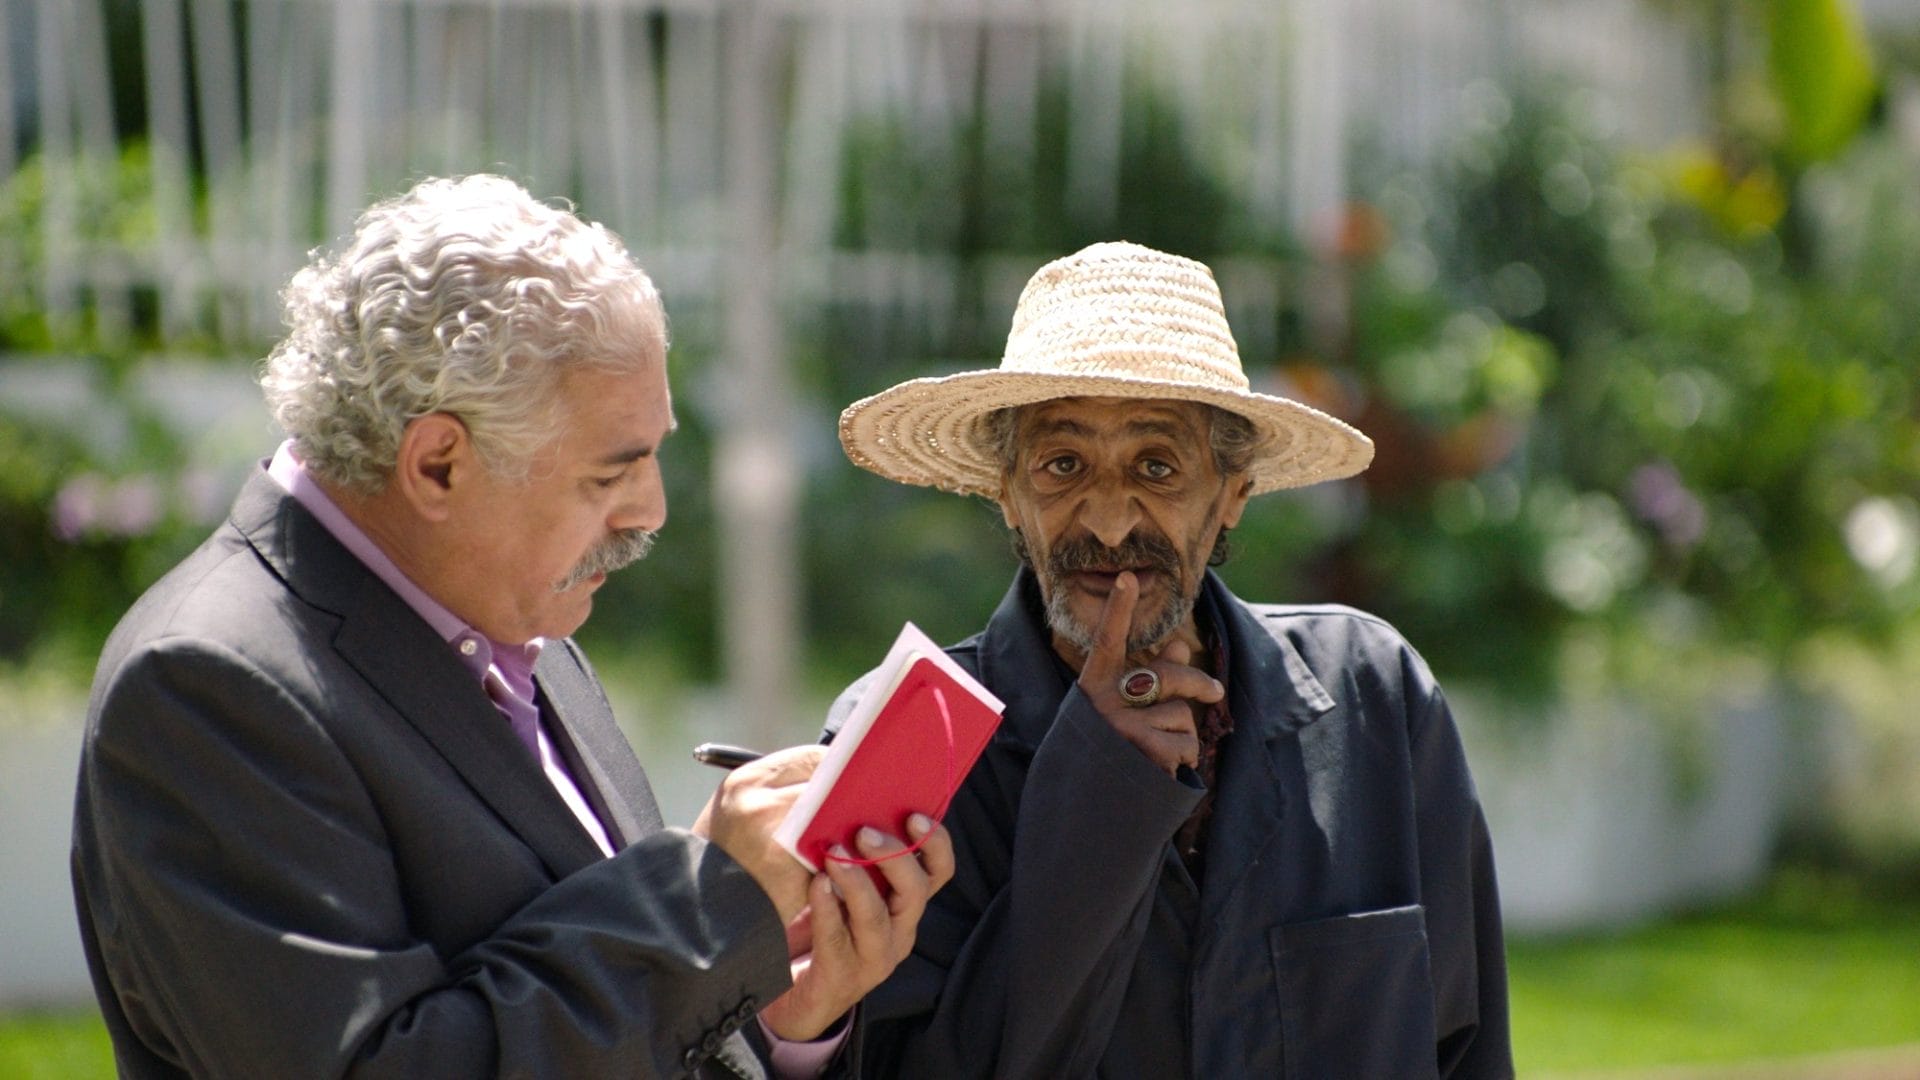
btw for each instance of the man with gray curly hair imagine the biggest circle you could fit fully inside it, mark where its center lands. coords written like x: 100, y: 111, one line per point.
x: 352, y: 803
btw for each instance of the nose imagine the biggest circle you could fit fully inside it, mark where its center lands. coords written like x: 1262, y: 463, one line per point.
x: 1110, y: 513
x: 643, y: 503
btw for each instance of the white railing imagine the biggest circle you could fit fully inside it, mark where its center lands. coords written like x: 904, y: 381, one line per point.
x: 303, y: 110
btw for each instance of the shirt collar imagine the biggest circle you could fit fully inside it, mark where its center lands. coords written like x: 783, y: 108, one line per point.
x: 514, y: 663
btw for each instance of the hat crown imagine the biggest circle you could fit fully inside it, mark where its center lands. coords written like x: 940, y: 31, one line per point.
x: 1122, y: 310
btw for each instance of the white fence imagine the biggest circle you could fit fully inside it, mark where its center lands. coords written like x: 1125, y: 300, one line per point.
x: 300, y: 111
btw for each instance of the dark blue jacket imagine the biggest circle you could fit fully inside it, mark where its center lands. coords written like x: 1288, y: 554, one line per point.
x: 1347, y: 924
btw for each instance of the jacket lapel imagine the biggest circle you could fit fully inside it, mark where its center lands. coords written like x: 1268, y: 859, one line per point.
x: 1272, y: 695
x: 602, y: 760
x: 407, y: 664
x: 1017, y: 660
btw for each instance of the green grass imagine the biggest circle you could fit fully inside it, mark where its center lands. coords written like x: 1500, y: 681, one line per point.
x: 55, y: 1046
x: 1814, y: 963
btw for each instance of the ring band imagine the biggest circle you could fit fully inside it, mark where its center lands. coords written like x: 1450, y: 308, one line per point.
x: 1140, y: 687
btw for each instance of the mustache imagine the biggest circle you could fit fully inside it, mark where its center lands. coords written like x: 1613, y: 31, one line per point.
x: 1140, y: 549
x: 622, y: 549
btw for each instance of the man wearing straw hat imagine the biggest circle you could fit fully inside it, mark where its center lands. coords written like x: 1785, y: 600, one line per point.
x: 1212, y: 838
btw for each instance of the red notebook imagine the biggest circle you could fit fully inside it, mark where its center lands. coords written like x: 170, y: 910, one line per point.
x: 900, y: 752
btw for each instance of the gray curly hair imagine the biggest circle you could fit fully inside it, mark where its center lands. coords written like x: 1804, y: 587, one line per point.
x: 464, y: 296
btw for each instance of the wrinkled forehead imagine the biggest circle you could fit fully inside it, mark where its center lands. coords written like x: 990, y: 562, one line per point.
x: 1114, y: 418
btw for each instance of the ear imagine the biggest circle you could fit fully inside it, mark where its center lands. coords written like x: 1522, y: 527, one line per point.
x: 436, y: 452
x: 1240, y: 490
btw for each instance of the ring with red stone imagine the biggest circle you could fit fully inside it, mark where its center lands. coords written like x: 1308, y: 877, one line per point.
x: 1140, y: 687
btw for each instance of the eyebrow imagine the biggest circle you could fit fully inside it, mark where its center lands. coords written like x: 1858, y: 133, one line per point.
x: 1061, y: 427
x: 629, y: 454
x: 1166, y: 429
x: 1163, y: 428
x: 626, y: 456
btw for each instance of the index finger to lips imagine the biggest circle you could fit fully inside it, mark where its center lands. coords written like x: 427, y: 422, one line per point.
x: 1109, y: 653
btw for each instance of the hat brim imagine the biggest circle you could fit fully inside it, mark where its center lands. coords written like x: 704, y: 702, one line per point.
x: 929, y: 431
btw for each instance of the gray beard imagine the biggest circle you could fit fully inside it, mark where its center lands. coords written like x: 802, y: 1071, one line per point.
x: 1151, y: 550
x: 616, y: 552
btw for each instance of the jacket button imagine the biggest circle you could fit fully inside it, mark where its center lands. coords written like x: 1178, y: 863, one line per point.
x: 692, y: 1059
x: 746, y: 1011
x: 711, y: 1043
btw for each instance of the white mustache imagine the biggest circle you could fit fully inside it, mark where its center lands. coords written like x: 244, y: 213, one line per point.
x: 616, y: 552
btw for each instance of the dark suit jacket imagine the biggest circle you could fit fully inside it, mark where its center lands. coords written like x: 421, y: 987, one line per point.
x: 1346, y: 924
x: 306, y: 844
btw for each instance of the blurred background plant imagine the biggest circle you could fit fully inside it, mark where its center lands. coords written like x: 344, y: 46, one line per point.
x: 101, y: 488
x: 1616, y: 388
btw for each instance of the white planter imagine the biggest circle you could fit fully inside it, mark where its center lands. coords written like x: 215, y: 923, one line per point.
x: 1603, y: 814
x: 41, y: 962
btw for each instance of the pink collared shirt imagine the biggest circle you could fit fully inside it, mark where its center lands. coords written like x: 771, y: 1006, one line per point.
x: 506, y: 673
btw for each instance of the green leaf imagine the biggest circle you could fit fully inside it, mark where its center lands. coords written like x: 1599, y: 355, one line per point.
x: 1823, y: 72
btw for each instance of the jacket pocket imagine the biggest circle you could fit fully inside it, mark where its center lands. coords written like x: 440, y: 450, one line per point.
x: 1356, y: 996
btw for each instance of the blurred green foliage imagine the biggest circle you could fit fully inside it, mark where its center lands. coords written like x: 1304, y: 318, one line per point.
x: 1668, y: 395
x: 108, y: 212
x: 98, y: 492
x: 1619, y: 388
x: 1823, y: 71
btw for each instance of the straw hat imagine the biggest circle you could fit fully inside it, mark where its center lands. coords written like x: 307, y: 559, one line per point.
x: 1112, y: 320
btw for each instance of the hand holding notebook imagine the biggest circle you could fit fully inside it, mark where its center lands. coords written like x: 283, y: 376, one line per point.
x: 904, y: 748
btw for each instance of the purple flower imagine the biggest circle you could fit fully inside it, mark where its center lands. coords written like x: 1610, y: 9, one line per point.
x: 77, y: 506
x: 1660, y: 498
x: 90, y: 505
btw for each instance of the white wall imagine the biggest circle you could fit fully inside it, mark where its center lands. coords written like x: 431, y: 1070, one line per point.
x: 40, y: 957
x: 1602, y: 814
